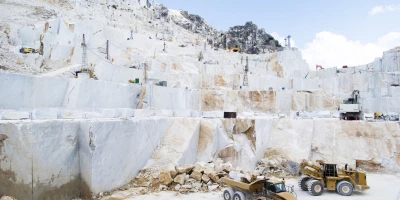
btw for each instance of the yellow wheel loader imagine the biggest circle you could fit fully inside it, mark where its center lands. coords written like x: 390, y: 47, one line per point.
x: 316, y: 178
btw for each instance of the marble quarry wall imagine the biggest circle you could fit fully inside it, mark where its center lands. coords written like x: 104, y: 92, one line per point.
x: 66, y: 137
x: 71, y: 97
x: 27, y: 92
x: 63, y: 158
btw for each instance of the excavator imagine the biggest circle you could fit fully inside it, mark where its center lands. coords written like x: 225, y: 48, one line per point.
x: 26, y: 50
x: 351, y: 109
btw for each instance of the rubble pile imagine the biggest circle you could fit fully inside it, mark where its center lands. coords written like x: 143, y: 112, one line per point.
x: 202, y: 177
x: 274, y: 164
x: 205, y: 177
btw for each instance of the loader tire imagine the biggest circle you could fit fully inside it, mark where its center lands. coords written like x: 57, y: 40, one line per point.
x: 303, y: 182
x: 344, y: 188
x: 315, y: 187
x: 228, y: 194
x: 239, y: 196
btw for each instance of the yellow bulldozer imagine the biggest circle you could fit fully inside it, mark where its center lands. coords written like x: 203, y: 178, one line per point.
x: 379, y: 115
x: 234, y: 49
x: 27, y: 50
x: 316, y: 178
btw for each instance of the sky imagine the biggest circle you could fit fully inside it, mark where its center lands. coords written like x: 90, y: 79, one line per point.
x: 329, y: 33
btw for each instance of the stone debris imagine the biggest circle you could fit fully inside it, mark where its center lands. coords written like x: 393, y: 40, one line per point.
x: 274, y: 164
x: 205, y: 177
x: 212, y: 187
x: 202, y: 177
x: 165, y: 178
x: 180, y: 179
x: 196, y: 175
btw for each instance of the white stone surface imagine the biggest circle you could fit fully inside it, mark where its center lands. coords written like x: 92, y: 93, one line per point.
x: 40, y: 157
x: 113, y: 152
x: 15, y: 115
x: 178, y: 147
x: 86, y: 139
x: 24, y: 91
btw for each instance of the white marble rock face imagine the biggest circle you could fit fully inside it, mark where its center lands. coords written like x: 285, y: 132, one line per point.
x: 60, y: 136
x: 41, y: 157
x: 113, y: 152
x: 22, y: 91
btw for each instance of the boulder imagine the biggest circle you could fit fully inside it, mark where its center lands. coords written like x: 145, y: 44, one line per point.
x: 197, y: 185
x: 228, y: 167
x: 209, y: 168
x: 199, y: 167
x: 180, y: 179
x: 185, y: 169
x: 205, y: 178
x: 213, y: 176
x: 212, y: 187
x: 218, y: 168
x: 173, y: 173
x: 165, y: 178
x: 177, y: 187
x: 236, y: 175
x: 196, y: 175
x: 141, y: 182
x: 155, y: 183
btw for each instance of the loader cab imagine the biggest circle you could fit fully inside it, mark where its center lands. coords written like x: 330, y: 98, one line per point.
x: 330, y: 170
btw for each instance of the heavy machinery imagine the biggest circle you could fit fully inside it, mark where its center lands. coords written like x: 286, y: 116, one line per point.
x: 257, y: 190
x: 351, y: 108
x: 236, y: 49
x: 26, y: 50
x: 316, y: 178
x: 379, y: 115
x: 87, y: 71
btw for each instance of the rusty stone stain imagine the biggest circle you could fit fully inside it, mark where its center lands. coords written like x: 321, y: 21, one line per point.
x: 46, y: 27
x: 176, y: 66
x: 219, y: 81
x: 142, y: 96
x: 3, y: 137
x: 71, y: 54
x: 211, y: 100
x: 206, y: 135
x: 71, y: 27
